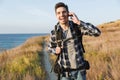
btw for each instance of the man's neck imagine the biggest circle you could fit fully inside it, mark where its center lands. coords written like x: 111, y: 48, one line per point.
x: 64, y: 26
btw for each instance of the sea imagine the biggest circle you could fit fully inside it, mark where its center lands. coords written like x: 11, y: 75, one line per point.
x: 9, y: 41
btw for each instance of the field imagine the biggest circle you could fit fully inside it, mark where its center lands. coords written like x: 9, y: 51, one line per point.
x: 23, y: 62
x: 103, y: 53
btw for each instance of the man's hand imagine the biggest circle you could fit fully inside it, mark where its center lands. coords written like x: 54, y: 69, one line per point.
x: 74, y: 18
x: 58, y: 50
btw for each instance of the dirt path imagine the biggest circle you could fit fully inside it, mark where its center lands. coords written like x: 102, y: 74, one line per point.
x: 50, y: 75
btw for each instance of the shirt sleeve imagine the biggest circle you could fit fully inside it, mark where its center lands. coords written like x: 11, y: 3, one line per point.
x: 52, y: 43
x: 89, y: 29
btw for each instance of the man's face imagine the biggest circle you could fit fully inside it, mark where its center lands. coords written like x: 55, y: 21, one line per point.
x: 62, y: 15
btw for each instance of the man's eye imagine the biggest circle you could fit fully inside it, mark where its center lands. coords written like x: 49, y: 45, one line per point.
x: 58, y: 13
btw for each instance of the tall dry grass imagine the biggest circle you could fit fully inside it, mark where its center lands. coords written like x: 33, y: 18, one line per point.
x: 23, y: 62
x: 103, y: 53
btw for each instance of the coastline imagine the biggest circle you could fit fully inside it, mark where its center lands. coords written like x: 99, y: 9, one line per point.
x: 24, y: 61
x: 2, y: 50
x: 9, y: 41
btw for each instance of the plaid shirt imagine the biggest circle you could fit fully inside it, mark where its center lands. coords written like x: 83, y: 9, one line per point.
x: 86, y: 29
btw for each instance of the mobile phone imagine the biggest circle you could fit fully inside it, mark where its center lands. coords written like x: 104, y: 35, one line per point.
x: 70, y: 17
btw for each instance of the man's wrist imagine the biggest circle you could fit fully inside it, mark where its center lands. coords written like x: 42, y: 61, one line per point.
x: 78, y: 23
x: 81, y: 23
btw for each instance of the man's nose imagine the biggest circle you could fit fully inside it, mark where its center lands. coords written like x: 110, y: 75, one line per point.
x: 61, y: 14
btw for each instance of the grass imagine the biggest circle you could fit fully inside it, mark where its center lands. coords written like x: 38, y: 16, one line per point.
x: 103, y: 53
x: 23, y: 62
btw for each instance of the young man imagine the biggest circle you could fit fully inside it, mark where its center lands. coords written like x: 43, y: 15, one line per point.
x: 66, y: 41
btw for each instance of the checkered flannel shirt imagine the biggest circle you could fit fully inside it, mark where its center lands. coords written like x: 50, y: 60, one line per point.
x: 86, y: 29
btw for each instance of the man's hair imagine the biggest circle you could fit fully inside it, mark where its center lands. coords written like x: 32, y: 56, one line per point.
x: 61, y: 4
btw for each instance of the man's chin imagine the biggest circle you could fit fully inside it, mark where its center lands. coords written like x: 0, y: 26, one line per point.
x: 63, y: 22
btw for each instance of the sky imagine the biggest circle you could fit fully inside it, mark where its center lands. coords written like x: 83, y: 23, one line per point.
x: 38, y: 16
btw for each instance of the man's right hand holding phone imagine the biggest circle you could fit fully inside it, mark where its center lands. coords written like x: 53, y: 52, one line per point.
x: 74, y: 18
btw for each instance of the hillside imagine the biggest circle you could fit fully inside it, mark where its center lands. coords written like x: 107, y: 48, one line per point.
x: 23, y: 62
x: 103, y: 52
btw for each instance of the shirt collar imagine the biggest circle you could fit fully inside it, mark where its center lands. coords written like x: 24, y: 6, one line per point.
x: 59, y: 27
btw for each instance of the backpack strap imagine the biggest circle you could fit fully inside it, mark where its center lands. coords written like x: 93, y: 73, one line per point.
x: 58, y: 42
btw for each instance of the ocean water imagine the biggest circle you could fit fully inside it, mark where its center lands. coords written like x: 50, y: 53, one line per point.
x: 8, y: 41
